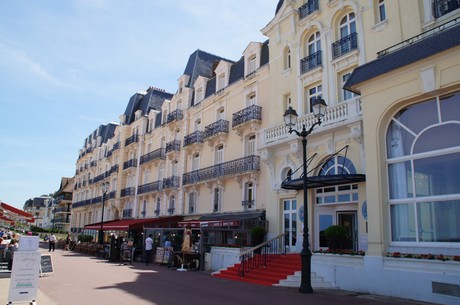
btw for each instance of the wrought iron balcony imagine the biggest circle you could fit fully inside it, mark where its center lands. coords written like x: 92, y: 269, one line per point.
x: 150, y: 187
x: 248, y: 204
x: 131, y: 139
x: 129, y: 191
x: 310, y: 62
x: 221, y: 126
x: 308, y: 8
x: 153, y: 155
x: 111, y: 195
x: 130, y: 163
x: 116, y: 146
x: 171, y: 182
x: 194, y: 137
x: 443, y: 7
x: 93, y: 163
x: 127, y: 213
x: 234, y: 167
x: 176, y: 115
x: 250, y: 113
x: 345, y: 45
x: 173, y: 146
x: 114, y: 169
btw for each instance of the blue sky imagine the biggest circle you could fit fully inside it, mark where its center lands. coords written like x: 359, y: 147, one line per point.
x: 67, y: 67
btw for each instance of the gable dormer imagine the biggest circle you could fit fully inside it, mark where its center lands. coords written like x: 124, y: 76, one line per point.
x: 182, y: 82
x: 200, y: 89
x: 222, y: 74
x: 252, y: 58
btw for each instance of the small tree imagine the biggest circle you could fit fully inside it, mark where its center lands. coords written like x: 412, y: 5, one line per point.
x: 335, y: 235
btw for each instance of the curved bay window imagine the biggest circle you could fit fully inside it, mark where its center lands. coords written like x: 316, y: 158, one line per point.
x: 423, y: 159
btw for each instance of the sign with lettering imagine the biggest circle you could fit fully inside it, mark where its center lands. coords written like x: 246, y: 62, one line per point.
x: 24, y: 277
x: 46, y: 264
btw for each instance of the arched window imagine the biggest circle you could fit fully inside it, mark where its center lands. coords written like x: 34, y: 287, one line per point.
x: 287, y: 58
x: 423, y: 160
x: 314, y: 43
x: 347, y: 25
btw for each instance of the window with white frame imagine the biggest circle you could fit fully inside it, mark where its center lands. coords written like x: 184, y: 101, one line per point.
x: 251, y: 145
x: 338, y: 194
x: 195, y: 162
x: 423, y: 161
x: 199, y: 95
x: 381, y: 11
x: 252, y: 64
x: 251, y: 99
x: 171, y: 205
x: 219, y: 154
x: 311, y: 94
x: 192, y: 203
x: 175, y: 168
x: 248, y: 201
x: 314, y: 43
x: 221, y: 81
x: 221, y: 113
x: 347, y: 25
x: 346, y: 95
x: 197, y: 125
x: 217, y: 199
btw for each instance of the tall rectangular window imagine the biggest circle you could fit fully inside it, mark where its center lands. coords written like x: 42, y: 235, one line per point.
x: 191, y: 203
x: 219, y: 157
x: 345, y: 93
x: 382, y: 12
x: 251, y: 146
x: 217, y: 200
x: 311, y: 94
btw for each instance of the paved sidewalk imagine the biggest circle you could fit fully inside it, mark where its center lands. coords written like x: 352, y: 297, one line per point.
x: 80, y: 279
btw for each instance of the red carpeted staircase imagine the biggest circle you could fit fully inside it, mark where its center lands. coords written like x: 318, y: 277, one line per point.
x: 276, y: 270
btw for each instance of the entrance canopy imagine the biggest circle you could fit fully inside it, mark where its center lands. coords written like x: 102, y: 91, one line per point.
x: 322, y: 181
x: 12, y: 214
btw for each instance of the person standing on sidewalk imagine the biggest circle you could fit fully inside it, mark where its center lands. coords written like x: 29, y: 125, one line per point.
x: 52, y: 242
x: 148, y: 249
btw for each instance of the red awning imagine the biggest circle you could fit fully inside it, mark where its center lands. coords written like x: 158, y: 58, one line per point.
x: 125, y: 224
x: 6, y: 219
x: 14, y: 213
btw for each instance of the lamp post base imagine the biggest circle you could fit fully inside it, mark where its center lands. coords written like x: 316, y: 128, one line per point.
x: 305, y: 285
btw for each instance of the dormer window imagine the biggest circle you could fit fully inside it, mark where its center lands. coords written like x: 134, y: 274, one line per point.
x: 199, y: 95
x: 252, y: 64
x: 221, y: 82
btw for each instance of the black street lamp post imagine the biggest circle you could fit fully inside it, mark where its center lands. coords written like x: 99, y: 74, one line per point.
x: 290, y: 118
x: 101, y: 231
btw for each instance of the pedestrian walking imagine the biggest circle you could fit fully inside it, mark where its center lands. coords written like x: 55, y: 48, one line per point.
x: 67, y: 242
x: 52, y: 242
x: 148, y: 249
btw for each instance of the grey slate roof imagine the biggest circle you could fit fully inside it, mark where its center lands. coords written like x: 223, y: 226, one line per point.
x: 412, y: 53
x: 201, y: 63
x: 152, y: 100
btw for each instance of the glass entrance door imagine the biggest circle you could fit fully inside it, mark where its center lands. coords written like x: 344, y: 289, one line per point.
x: 348, y: 221
x: 290, y: 223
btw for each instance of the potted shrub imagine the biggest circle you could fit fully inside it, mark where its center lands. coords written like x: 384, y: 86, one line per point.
x: 258, y: 236
x: 335, y: 235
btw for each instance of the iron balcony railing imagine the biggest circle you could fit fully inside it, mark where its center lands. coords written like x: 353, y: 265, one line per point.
x: 129, y: 191
x: 221, y: 126
x: 114, y: 169
x: 252, y: 112
x: 176, y: 115
x: 93, y: 164
x: 237, y: 166
x: 131, y: 139
x: 111, y: 195
x: 345, y: 45
x: 173, y: 146
x: 127, y: 213
x: 308, y: 8
x: 116, y: 146
x: 247, y: 203
x: 195, y: 137
x: 262, y: 254
x: 310, y: 62
x: 171, y: 182
x: 153, y: 155
x: 150, y: 187
x: 130, y: 163
x: 443, y: 7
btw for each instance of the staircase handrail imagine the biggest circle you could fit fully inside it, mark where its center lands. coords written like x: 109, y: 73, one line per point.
x: 261, y: 254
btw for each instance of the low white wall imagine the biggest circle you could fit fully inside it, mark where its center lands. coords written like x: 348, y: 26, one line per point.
x: 399, y: 277
x: 222, y: 257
